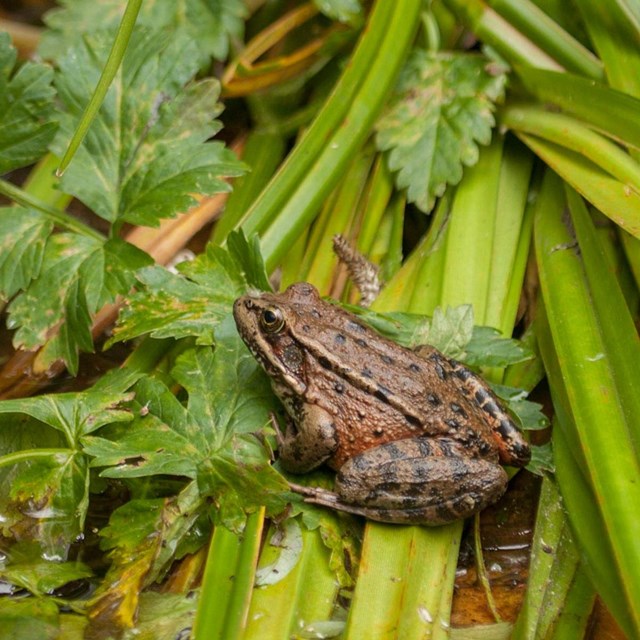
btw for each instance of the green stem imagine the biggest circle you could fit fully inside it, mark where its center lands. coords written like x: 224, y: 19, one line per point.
x: 60, y: 218
x: 108, y: 74
x: 493, y: 29
x: 28, y: 455
x: 548, y: 35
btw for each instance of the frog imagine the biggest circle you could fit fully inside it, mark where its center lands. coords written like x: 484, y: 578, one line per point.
x: 414, y: 436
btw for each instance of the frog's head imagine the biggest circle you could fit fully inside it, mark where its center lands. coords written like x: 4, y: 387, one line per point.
x: 268, y: 323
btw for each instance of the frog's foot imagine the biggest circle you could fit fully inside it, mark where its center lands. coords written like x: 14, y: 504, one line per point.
x: 330, y: 499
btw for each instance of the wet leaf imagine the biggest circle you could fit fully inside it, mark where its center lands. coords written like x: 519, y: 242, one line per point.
x: 25, y: 567
x: 33, y: 618
x: 442, y: 110
x: 146, y: 153
x: 27, y: 117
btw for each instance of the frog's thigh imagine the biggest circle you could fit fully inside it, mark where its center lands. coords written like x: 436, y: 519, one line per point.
x: 311, y: 442
x: 420, y: 480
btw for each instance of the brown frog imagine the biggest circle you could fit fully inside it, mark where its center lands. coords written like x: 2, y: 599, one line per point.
x: 415, y: 436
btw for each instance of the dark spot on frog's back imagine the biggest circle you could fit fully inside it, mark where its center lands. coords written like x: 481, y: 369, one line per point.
x: 324, y: 362
x: 414, y: 367
x: 340, y: 338
x: 367, y: 373
x: 339, y: 387
x: 355, y: 326
x: 382, y: 393
x: 361, y: 343
x: 456, y: 408
x: 386, y: 359
x: 433, y: 400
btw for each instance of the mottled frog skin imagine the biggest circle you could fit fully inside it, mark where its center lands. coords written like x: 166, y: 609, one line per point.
x: 415, y: 436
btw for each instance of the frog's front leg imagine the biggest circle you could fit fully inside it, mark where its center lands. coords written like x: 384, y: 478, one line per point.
x: 415, y: 481
x: 307, y: 442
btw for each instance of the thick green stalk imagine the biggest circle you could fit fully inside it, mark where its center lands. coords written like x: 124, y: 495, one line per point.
x: 313, y: 142
x: 592, y: 357
x: 494, y: 30
x: 293, y: 198
x: 549, y: 36
x: 263, y: 152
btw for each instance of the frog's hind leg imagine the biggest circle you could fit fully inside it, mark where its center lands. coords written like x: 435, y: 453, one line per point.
x: 415, y: 481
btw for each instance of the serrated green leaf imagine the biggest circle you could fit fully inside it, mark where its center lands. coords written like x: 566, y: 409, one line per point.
x: 74, y: 414
x: 349, y: 11
x: 29, y: 618
x: 528, y: 414
x: 20, y: 262
x: 541, y: 460
x: 450, y: 330
x: 189, y: 303
x: 27, y: 123
x: 487, y: 348
x: 146, y: 154
x: 443, y: 108
x: 246, y: 253
x: 78, y: 274
x: 210, y: 23
x: 212, y: 439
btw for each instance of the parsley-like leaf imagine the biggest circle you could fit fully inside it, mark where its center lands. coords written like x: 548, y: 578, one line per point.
x: 210, y: 23
x: 79, y: 274
x: 20, y: 262
x: 27, y: 122
x: 146, y: 153
x: 193, y: 301
x: 443, y: 108
x: 211, y: 440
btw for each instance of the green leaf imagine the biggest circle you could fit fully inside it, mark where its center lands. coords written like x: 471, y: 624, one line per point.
x: 527, y: 413
x: 20, y: 262
x: 211, y: 440
x: 78, y: 275
x: 25, y: 567
x: 27, y: 122
x: 487, y: 348
x: 349, y: 11
x: 452, y: 332
x: 541, y: 462
x: 191, y: 302
x: 210, y: 23
x: 36, y: 618
x: 146, y: 153
x: 442, y: 109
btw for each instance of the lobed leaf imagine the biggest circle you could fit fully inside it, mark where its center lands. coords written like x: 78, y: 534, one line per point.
x: 210, y: 23
x: 77, y: 275
x: 442, y: 110
x: 27, y: 116
x: 20, y: 262
x: 193, y: 301
x: 146, y: 153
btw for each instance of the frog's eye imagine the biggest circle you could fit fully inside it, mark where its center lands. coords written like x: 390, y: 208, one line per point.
x: 272, y: 320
